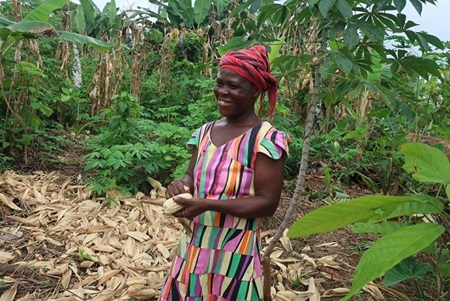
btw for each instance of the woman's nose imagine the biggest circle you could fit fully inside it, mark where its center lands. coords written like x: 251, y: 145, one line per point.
x: 222, y: 90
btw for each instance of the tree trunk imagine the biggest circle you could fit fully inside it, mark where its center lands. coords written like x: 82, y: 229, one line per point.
x: 317, y: 81
x: 76, y: 72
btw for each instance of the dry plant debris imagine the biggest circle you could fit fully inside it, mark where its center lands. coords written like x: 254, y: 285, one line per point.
x: 59, y: 243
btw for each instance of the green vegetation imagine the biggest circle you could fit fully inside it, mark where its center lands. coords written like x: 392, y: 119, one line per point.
x: 133, y: 89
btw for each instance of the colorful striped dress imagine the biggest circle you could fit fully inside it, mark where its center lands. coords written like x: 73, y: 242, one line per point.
x: 221, y: 260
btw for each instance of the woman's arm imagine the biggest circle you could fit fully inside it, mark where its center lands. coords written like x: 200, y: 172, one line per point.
x: 268, y: 181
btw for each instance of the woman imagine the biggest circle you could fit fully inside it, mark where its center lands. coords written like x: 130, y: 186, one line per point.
x: 235, y: 175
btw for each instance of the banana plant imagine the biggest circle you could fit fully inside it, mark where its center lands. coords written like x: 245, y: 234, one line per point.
x: 187, y: 13
x: 89, y: 19
x: 35, y: 25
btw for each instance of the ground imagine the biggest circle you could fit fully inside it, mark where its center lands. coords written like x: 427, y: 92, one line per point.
x: 59, y: 243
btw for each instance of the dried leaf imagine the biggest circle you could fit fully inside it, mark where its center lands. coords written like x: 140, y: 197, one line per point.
x: 65, y: 279
x: 163, y: 250
x: 106, y: 276
x: 5, y: 256
x: 9, y: 294
x: 138, y: 236
x: 8, y: 202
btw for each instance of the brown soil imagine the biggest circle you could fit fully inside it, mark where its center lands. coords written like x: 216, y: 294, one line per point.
x: 57, y: 243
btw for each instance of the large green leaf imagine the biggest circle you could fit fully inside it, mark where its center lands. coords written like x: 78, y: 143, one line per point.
x: 275, y: 49
x: 82, y: 39
x: 344, y: 8
x: 351, y: 36
x: 80, y: 21
x: 90, y: 11
x: 362, y: 209
x: 426, y: 163
x: 30, y: 29
x: 432, y: 40
x: 43, y: 11
x: 201, y: 10
x: 325, y: 6
x: 5, y: 21
x: 390, y: 250
x: 112, y: 13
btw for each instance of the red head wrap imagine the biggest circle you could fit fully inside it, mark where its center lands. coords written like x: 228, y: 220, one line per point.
x: 253, y: 65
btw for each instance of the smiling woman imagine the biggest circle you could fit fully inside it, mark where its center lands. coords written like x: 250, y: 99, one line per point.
x: 235, y: 176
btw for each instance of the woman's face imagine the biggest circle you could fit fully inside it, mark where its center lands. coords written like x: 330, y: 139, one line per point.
x: 235, y: 95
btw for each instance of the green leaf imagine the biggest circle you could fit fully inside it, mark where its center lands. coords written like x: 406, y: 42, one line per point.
x: 325, y: 6
x: 417, y: 5
x: 421, y: 66
x: 351, y: 36
x: 201, y: 10
x: 377, y: 68
x: 5, y: 21
x: 377, y: 228
x: 344, y: 8
x: 406, y: 269
x: 33, y: 28
x: 241, y: 7
x: 112, y: 13
x: 426, y: 163
x: 233, y: 44
x: 80, y: 22
x: 432, y: 40
x: 447, y: 191
x: 43, y: 11
x: 336, y: 45
x: 85, y: 40
x: 344, y: 63
x: 390, y: 250
x: 424, y: 204
x: 399, y: 5
x: 90, y: 11
x: 338, y: 215
x: 444, y: 267
x: 275, y: 49
x: 221, y: 5
x: 280, y: 15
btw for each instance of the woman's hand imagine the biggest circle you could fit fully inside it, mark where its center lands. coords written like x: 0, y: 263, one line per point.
x: 177, y: 187
x: 192, y: 207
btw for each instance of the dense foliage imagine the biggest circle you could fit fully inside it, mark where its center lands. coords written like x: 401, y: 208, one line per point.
x: 135, y: 86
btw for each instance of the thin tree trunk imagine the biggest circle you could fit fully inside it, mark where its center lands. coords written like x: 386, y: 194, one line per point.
x: 301, y: 174
x: 76, y: 71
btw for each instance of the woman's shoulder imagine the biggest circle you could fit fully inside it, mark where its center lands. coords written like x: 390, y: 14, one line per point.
x: 273, y: 142
x: 269, y: 128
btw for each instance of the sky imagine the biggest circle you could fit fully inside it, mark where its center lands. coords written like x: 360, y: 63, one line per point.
x: 434, y: 19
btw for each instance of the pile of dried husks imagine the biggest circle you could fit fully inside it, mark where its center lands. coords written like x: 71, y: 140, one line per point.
x: 59, y: 243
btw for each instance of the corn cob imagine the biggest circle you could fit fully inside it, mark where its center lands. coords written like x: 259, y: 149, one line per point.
x: 170, y: 206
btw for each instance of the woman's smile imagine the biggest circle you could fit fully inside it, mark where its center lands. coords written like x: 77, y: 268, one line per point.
x: 222, y: 102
